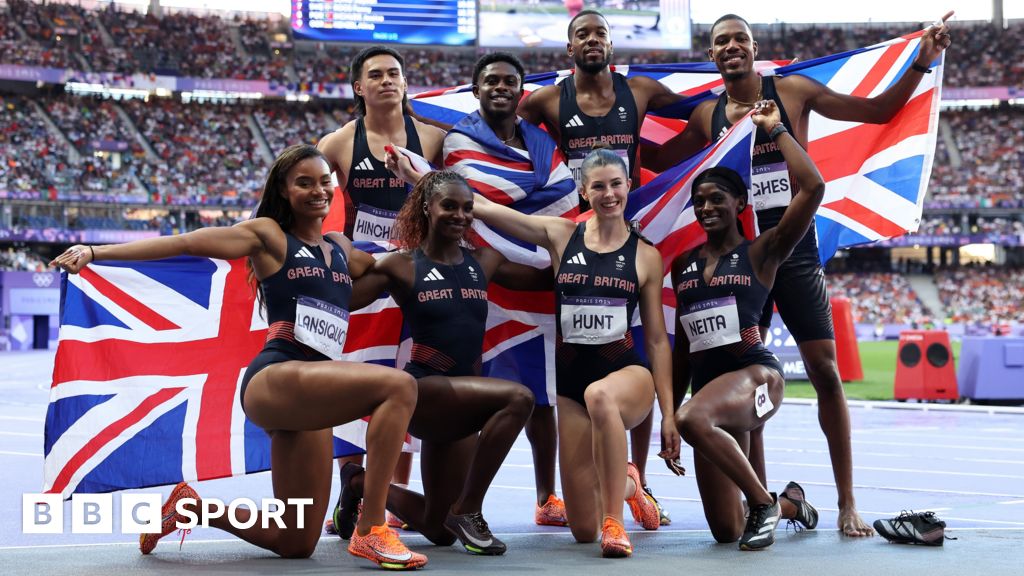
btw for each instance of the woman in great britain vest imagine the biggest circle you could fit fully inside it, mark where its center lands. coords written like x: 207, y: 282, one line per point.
x: 603, y: 272
x: 467, y: 422
x: 297, y: 389
x: 721, y: 287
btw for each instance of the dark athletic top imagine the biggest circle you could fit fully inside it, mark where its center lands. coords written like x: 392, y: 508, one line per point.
x: 304, y: 274
x: 619, y: 128
x: 447, y: 313
x: 771, y: 186
x: 720, y: 318
x: 591, y: 284
x: 372, y: 189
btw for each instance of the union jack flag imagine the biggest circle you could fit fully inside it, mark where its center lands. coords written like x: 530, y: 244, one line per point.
x: 147, y: 374
x: 145, y: 382
x: 876, y: 175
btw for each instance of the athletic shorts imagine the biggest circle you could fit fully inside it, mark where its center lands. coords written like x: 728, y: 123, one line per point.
x: 275, y: 352
x: 801, y: 296
x: 577, y: 366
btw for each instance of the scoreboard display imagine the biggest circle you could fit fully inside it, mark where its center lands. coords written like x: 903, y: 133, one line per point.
x: 437, y: 22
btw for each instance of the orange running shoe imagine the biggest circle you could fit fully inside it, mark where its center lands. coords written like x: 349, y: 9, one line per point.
x: 383, y: 547
x: 552, y: 513
x: 614, y: 541
x: 644, y: 508
x: 395, y: 521
x: 169, y: 517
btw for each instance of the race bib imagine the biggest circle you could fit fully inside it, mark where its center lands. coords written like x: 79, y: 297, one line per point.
x: 576, y: 158
x: 373, y: 224
x: 321, y: 326
x: 593, y: 320
x: 770, y: 186
x: 712, y: 323
x: 762, y: 402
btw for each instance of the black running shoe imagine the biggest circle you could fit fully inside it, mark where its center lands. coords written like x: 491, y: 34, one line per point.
x: 472, y: 530
x: 806, y: 516
x: 913, y: 528
x: 346, y: 511
x: 760, y: 531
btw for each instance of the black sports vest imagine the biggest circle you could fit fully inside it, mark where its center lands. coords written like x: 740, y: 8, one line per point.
x: 596, y: 293
x: 373, y: 194
x: 619, y: 128
x: 721, y: 318
x: 304, y: 274
x: 447, y: 314
x: 771, y: 186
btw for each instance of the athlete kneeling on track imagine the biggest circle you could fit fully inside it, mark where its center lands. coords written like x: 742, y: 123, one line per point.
x: 721, y: 288
x: 603, y: 271
x: 467, y: 423
x: 293, y: 389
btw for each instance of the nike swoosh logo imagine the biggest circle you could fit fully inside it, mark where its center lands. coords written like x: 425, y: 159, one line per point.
x: 397, y: 557
x: 481, y: 543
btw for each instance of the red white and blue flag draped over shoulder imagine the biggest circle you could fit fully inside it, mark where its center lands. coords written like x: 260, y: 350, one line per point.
x: 538, y: 183
x: 520, y: 338
x: 147, y: 373
x: 876, y: 175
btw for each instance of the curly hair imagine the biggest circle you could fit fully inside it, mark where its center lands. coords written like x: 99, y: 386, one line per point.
x: 411, y: 224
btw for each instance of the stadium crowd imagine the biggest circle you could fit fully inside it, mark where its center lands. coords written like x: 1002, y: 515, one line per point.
x: 879, y: 297
x: 205, y: 151
x: 982, y: 295
x: 991, y: 147
x: 21, y: 260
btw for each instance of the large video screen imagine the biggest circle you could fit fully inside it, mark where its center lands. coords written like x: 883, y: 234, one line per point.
x: 439, y: 22
x: 635, y: 24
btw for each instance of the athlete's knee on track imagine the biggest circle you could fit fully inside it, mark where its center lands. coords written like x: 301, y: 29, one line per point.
x: 725, y: 532
x: 584, y: 531
x: 297, y: 545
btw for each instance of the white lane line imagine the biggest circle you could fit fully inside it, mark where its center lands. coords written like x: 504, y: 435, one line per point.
x: 770, y: 439
x: 22, y: 434
x: 1008, y: 502
x: 918, y: 471
x: 22, y: 419
x: 9, y: 453
x: 907, y: 489
x: 860, y: 454
x: 418, y: 537
x: 772, y: 481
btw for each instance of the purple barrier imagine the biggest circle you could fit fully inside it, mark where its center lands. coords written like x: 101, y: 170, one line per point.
x: 992, y: 368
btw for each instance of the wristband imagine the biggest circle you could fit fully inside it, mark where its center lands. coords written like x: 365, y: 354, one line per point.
x: 922, y: 69
x: 779, y: 128
x: 93, y: 253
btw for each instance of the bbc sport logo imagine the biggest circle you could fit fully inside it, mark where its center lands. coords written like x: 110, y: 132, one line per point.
x: 141, y: 514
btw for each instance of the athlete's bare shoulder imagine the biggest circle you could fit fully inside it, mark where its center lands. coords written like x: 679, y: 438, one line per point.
x: 431, y: 140
x: 334, y: 143
x: 541, y: 105
x: 700, y: 118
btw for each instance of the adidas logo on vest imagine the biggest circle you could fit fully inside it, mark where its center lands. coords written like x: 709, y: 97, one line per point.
x: 304, y: 253
x: 364, y: 165
x: 433, y: 275
x: 574, y: 121
x: 578, y: 259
